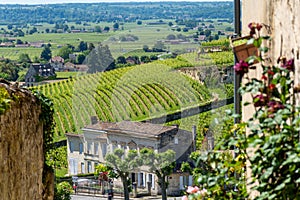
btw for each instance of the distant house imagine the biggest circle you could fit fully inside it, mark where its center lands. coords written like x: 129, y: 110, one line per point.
x: 76, y: 31
x: 87, y: 150
x: 38, y: 72
x: 202, y: 38
x: 72, y: 56
x: 132, y: 60
x: 7, y: 44
x: 81, y: 68
x: 22, y: 45
x: 57, y: 63
x: 37, y: 44
x: 69, y: 67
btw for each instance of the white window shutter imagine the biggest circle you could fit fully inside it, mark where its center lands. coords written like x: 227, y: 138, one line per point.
x: 190, y: 180
x: 71, y: 166
x: 75, y: 166
x: 181, y: 183
x: 153, y: 181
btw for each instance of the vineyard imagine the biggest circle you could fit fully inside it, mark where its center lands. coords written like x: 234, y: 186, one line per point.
x: 132, y: 93
x: 220, y: 59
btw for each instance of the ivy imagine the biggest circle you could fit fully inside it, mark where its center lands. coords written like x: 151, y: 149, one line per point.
x: 4, y: 100
x: 47, y: 119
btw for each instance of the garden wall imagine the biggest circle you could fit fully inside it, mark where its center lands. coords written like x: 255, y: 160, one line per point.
x: 283, y: 18
x: 21, y: 148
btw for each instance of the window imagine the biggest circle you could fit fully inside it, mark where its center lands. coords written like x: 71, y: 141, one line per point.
x: 141, y: 182
x: 80, y: 148
x: 104, y: 149
x: 89, y: 167
x: 185, y: 181
x: 96, y: 148
x: 176, y: 140
x: 82, y: 168
x: 73, y: 166
x: 89, y: 148
x: 71, y: 146
x: 151, y: 179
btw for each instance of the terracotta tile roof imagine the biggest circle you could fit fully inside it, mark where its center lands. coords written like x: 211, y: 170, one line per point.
x: 130, y: 127
x: 57, y: 59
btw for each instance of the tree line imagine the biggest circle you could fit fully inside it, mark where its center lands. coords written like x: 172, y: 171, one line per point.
x: 113, y: 12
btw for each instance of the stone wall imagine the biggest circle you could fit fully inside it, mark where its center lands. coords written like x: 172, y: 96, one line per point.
x: 283, y: 18
x: 21, y: 149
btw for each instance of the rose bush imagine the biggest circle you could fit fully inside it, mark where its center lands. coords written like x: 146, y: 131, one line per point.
x: 272, y: 142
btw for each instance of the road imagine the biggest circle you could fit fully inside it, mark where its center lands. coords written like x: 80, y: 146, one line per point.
x: 81, y: 197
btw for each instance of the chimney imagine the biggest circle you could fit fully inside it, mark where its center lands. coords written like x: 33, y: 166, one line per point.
x: 94, y: 120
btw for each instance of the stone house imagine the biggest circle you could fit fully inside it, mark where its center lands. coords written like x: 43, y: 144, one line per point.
x: 38, y: 72
x: 57, y: 63
x: 87, y: 150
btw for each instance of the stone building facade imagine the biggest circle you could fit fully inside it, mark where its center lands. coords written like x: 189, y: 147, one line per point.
x: 87, y: 150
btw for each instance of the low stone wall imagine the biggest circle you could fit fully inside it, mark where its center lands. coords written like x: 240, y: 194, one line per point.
x: 190, y: 111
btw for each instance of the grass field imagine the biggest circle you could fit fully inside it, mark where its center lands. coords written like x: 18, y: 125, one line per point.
x: 147, y: 34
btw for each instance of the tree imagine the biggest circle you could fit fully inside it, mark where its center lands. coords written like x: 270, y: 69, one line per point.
x: 98, y: 29
x: 106, y: 29
x: 153, y: 57
x: 162, y: 164
x: 170, y: 23
x: 46, y: 53
x: 8, y: 70
x: 82, y: 46
x: 80, y: 58
x: 91, y: 46
x: 116, y: 26
x: 185, y: 29
x: 171, y: 37
x: 145, y: 59
x: 57, y: 158
x: 19, y: 41
x: 100, y: 59
x: 24, y: 58
x: 216, y: 37
x: 159, y: 46
x: 146, y: 48
x: 121, y: 60
x: 139, y: 22
x: 207, y: 32
x: 123, y: 164
x: 64, y: 52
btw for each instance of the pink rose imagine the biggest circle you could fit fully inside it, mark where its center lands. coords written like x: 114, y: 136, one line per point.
x: 192, y: 190
x: 184, y: 197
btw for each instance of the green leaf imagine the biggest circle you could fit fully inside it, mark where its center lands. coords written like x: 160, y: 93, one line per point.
x: 264, y: 49
x: 280, y: 187
x: 257, y: 42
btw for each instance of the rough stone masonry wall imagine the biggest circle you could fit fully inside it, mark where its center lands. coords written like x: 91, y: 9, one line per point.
x: 21, y: 147
x: 283, y: 18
